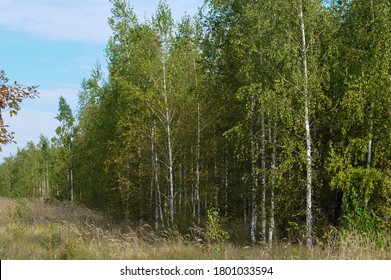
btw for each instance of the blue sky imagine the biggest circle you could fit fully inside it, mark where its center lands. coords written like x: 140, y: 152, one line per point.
x: 54, y: 44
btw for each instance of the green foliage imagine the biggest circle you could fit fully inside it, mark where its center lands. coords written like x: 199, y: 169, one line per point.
x: 22, y: 211
x: 358, y: 159
x: 214, y: 231
x: 51, y: 236
x: 215, y: 235
x: 210, y: 111
x: 366, y: 192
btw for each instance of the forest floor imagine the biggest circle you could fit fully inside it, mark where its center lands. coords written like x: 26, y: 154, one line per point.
x: 39, y: 230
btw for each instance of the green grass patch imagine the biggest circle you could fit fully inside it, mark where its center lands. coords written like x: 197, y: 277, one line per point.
x: 41, y: 231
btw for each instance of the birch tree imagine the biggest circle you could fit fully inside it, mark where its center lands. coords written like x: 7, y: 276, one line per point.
x: 307, y: 127
x: 163, y: 23
x: 356, y: 160
x: 64, y: 141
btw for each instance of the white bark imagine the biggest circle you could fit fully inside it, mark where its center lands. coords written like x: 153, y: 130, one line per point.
x: 155, y: 164
x: 169, y: 146
x: 197, y: 186
x: 193, y: 194
x: 273, y: 182
x: 187, y: 204
x: 181, y: 184
x: 47, y: 191
x: 244, y: 210
x: 369, y: 157
x: 226, y: 183
x: 217, y: 189
x: 71, y: 183
x: 263, y: 182
x: 307, y: 130
x: 185, y: 195
x: 254, y: 184
x: 159, y: 197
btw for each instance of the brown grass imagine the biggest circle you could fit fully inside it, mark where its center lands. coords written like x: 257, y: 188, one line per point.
x: 59, y: 230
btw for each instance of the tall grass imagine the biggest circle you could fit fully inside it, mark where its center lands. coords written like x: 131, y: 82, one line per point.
x: 59, y: 230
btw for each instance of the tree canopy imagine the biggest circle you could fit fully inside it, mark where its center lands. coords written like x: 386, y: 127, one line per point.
x: 271, y: 117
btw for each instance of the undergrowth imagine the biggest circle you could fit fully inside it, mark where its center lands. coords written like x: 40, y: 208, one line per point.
x: 59, y: 230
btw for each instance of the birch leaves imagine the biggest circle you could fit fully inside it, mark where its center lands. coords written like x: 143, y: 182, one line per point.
x: 10, y: 98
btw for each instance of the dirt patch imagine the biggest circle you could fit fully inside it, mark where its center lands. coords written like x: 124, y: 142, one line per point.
x: 40, y: 211
x: 57, y: 211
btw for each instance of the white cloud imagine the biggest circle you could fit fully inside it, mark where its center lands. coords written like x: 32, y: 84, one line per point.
x: 48, y: 99
x: 28, y: 125
x: 51, y: 96
x: 144, y: 8
x: 78, y: 20
x: 75, y: 20
x: 37, y: 117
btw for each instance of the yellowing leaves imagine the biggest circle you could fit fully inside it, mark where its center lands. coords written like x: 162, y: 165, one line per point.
x: 10, y: 98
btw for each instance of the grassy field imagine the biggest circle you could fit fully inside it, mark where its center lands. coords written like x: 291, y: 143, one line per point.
x: 59, y: 230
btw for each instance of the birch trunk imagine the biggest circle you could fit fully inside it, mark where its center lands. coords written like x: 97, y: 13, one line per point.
x: 169, y: 146
x: 369, y: 157
x: 273, y: 182
x: 217, y: 189
x: 254, y: 184
x: 226, y: 183
x: 244, y: 210
x: 193, y: 194
x: 47, y: 192
x: 71, y: 182
x: 307, y: 130
x: 197, y: 186
x: 155, y: 165
x: 185, y: 195
x: 263, y: 182
x: 370, y: 136
x: 180, y: 186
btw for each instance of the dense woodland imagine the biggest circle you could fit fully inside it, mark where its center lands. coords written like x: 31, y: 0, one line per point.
x: 274, y: 114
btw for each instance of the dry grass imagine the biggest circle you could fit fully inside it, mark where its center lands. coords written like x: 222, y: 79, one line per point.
x: 59, y: 230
